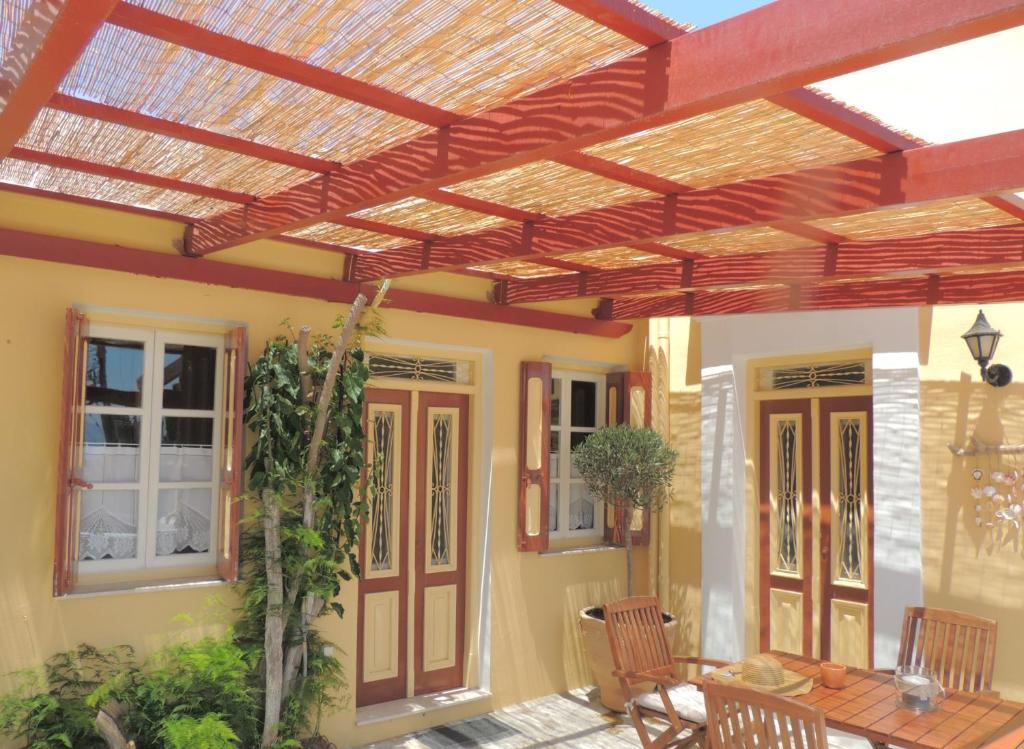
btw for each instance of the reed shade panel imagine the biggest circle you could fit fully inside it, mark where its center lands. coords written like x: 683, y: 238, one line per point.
x: 522, y: 269
x: 427, y: 216
x: 612, y: 258
x: 68, y: 182
x: 742, y: 142
x: 83, y: 138
x: 549, y: 188
x: 743, y: 718
x: 125, y: 69
x: 959, y: 648
x: 11, y: 13
x: 922, y: 218
x: 461, y: 55
x: 738, y: 241
x: 348, y: 237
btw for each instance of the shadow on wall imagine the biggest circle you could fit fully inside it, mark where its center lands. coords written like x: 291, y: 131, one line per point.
x: 583, y: 595
x: 966, y: 567
x: 684, y: 518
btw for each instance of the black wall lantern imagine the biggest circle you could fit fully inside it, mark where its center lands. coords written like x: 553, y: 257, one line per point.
x: 982, y: 340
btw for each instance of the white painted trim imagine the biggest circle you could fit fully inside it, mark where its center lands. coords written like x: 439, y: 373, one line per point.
x: 168, y: 316
x: 568, y: 362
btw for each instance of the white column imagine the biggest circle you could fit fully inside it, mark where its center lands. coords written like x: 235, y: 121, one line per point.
x: 722, y: 516
x: 897, y: 494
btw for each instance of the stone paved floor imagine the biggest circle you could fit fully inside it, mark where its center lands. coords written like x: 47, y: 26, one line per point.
x: 572, y: 719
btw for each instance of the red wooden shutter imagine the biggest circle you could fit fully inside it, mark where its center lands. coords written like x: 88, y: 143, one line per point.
x: 629, y: 402
x: 69, y: 454
x: 229, y: 506
x: 534, y: 456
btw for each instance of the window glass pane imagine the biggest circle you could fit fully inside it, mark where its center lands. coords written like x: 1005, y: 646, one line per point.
x: 183, y: 521
x: 189, y: 376
x: 113, y: 373
x: 556, y: 401
x: 186, y: 449
x: 576, y: 438
x: 584, y: 403
x: 581, y: 508
x: 109, y: 524
x: 553, y: 509
x: 553, y: 453
x: 111, y: 448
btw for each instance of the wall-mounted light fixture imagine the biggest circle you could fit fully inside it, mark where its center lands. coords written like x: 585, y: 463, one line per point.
x: 982, y: 340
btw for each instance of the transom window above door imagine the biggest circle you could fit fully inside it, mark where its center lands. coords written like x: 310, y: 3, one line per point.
x: 577, y: 411
x: 150, y: 455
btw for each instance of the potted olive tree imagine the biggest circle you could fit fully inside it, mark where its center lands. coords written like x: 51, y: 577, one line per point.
x: 629, y: 469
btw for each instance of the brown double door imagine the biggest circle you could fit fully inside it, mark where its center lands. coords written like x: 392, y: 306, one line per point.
x: 412, y: 590
x: 816, y: 527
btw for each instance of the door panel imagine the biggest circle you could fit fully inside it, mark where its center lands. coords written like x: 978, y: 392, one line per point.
x: 785, y: 525
x: 381, y: 654
x: 847, y: 531
x: 441, y: 517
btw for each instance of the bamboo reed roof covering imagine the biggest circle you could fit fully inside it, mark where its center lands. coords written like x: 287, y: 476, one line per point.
x: 199, y: 107
x: 743, y: 142
x: 923, y: 218
x: 550, y: 188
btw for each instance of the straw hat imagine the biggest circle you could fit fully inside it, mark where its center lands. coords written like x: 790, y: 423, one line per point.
x: 765, y: 673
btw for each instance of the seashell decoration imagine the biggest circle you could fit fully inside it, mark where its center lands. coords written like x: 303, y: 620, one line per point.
x: 1000, y: 503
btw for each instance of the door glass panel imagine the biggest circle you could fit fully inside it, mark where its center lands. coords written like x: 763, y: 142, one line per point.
x: 113, y: 373
x: 584, y: 403
x: 441, y: 490
x: 382, y: 490
x: 787, y: 496
x: 850, y: 500
x: 553, y: 508
x: 556, y: 401
x: 186, y: 449
x: 554, y: 453
x: 109, y: 525
x: 576, y: 439
x: 111, y: 453
x: 183, y: 521
x: 189, y: 376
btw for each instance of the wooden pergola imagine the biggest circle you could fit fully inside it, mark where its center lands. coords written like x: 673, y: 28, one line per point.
x: 558, y: 148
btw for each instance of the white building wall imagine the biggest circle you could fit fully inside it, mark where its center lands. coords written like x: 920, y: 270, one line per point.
x: 727, y: 344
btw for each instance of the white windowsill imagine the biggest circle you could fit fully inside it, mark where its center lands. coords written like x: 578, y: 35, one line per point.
x: 579, y: 550
x: 144, y: 586
x: 425, y: 703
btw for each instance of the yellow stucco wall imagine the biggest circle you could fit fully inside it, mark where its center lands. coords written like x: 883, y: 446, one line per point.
x: 961, y: 571
x: 534, y: 598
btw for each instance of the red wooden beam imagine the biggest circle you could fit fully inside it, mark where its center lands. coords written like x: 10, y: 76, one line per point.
x: 630, y: 20
x: 234, y: 50
x: 825, y: 111
x: 47, y: 44
x: 1012, y: 205
x: 160, y: 265
x: 172, y: 129
x: 980, y: 166
x: 944, y: 251
x: 129, y: 175
x: 810, y: 40
x: 964, y: 288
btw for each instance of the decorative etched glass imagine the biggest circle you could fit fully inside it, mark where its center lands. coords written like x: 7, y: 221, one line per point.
x: 382, y: 488
x: 850, y: 500
x: 441, y: 491
x: 419, y: 368
x: 830, y: 374
x: 787, y: 496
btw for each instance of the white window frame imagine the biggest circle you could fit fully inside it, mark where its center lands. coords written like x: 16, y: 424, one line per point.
x: 564, y: 480
x: 152, y: 412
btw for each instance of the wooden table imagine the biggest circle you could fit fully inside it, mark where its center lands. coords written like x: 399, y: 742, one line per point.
x: 867, y: 705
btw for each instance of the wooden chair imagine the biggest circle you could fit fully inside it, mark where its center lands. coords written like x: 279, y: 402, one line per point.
x: 641, y: 654
x: 744, y: 718
x: 959, y: 648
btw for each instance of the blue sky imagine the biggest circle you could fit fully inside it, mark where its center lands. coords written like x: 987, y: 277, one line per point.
x: 703, y: 12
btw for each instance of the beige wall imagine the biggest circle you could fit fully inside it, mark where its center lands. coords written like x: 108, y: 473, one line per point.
x: 961, y: 569
x: 534, y: 598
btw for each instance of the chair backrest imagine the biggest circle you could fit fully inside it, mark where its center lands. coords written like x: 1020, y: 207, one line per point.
x: 636, y: 634
x: 960, y: 648
x: 744, y: 718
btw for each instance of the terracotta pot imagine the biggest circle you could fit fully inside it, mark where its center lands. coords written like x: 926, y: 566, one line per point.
x: 599, y: 658
x: 833, y: 675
